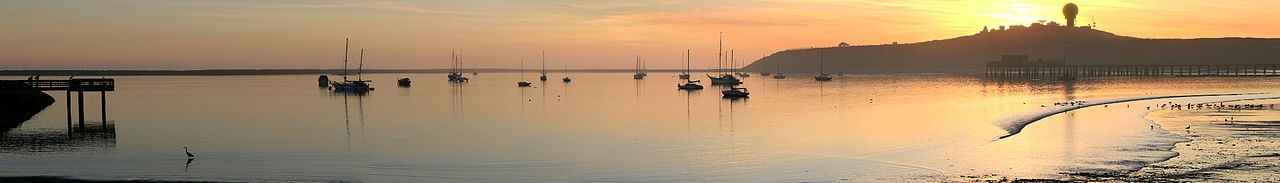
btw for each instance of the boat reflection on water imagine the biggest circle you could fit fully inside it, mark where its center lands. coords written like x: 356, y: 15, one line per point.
x: 94, y: 137
x: 347, y: 100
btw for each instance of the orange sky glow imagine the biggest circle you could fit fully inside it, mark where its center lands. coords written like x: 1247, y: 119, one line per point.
x: 208, y: 34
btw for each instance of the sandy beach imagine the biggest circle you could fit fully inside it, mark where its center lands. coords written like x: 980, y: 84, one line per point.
x: 1224, y: 145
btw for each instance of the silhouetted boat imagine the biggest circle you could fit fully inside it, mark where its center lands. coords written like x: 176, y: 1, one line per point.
x: 822, y: 76
x: 544, y: 67
x: 684, y: 73
x: 455, y: 74
x: 522, y: 83
x: 566, y: 73
x: 323, y: 80
x: 725, y: 78
x: 735, y: 92
x: 640, y: 74
x: 779, y: 74
x: 403, y: 82
x: 689, y: 85
x: 357, y: 86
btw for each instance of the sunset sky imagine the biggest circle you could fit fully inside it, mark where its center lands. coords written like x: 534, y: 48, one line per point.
x: 166, y: 34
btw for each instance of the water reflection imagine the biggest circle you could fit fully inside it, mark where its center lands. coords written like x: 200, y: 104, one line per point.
x: 456, y: 91
x: 346, y: 110
x: 94, y: 137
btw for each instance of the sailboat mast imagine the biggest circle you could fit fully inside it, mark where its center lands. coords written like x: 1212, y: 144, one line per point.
x: 720, y: 54
x: 360, y: 69
x: 688, y: 62
x: 346, y: 48
x: 457, y: 66
x: 821, y: 62
x: 544, y: 62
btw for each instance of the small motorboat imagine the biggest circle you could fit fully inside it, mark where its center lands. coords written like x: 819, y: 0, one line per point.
x: 543, y: 77
x: 743, y: 74
x: 779, y: 76
x: 735, y: 92
x: 323, y: 80
x: 822, y: 77
x: 566, y: 79
x: 684, y: 76
x: 523, y: 84
x: 690, y: 85
x: 404, y: 82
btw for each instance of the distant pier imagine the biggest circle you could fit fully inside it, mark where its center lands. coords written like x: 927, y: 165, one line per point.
x: 1018, y: 67
x: 79, y: 86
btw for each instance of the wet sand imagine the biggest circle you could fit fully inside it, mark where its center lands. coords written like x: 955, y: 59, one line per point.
x: 1224, y: 145
x: 1217, y: 145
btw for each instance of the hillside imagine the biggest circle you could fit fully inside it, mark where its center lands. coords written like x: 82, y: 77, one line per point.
x: 969, y: 54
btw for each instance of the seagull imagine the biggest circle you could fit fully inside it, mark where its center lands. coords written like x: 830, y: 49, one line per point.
x: 1188, y: 127
x: 189, y: 155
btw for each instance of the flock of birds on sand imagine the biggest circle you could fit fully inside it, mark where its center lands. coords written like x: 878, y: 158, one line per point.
x: 1189, y: 106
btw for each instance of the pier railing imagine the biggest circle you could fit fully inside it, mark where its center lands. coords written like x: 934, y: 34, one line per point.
x: 68, y: 85
x: 1005, y: 70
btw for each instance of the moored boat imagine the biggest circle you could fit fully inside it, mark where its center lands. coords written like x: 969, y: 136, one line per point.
x: 735, y: 92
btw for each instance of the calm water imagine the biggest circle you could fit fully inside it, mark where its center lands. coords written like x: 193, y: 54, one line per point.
x: 602, y: 127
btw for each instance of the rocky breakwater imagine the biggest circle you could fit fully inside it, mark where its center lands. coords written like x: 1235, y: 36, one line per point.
x: 19, y: 102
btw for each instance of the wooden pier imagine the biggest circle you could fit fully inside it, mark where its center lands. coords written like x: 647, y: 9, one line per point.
x: 1055, y: 71
x: 79, y: 86
x: 1018, y: 67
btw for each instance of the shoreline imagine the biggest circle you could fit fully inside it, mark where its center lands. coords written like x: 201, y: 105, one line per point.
x: 1213, y: 145
x: 1234, y: 145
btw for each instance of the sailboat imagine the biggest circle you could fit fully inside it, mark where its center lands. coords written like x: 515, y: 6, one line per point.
x: 688, y: 84
x: 684, y: 74
x: 724, y: 79
x: 475, y: 69
x: 359, y: 85
x: 735, y: 66
x: 640, y: 74
x: 778, y: 75
x: 455, y: 74
x: 522, y: 83
x: 822, y: 76
x: 566, y: 73
x: 766, y: 67
x: 544, y: 67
